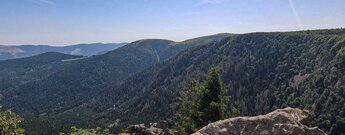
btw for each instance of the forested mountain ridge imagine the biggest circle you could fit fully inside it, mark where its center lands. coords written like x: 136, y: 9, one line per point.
x: 261, y: 71
x: 57, y: 91
x: 20, y: 51
x: 140, y: 82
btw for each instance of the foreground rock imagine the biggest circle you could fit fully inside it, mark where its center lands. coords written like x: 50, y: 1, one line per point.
x: 288, y: 121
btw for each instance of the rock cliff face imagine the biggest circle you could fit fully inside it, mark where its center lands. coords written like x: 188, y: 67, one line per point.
x: 288, y: 121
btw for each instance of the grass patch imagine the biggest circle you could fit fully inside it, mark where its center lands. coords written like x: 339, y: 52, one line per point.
x: 74, y: 59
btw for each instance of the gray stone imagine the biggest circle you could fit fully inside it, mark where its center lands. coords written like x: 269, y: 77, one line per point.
x: 159, y: 128
x: 162, y: 124
x: 288, y: 121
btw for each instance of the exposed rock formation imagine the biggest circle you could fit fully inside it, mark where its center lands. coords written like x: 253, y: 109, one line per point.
x: 286, y: 121
x: 159, y: 128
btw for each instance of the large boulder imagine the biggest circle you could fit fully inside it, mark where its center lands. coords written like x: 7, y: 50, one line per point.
x: 288, y: 121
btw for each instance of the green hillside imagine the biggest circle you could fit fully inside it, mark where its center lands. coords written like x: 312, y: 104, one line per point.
x: 140, y: 82
x: 58, y: 91
x: 261, y: 71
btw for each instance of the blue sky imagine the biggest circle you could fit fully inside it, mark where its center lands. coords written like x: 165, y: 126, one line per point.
x: 62, y: 22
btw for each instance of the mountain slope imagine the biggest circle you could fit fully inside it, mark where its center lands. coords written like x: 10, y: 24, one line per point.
x: 16, y: 72
x: 65, y: 87
x: 261, y: 71
x: 11, y: 52
x: 38, y: 60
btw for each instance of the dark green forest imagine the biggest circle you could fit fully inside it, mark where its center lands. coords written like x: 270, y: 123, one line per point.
x: 261, y: 72
x: 141, y: 82
x: 55, y: 90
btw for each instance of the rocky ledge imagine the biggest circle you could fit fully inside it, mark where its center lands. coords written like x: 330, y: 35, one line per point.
x: 288, y: 121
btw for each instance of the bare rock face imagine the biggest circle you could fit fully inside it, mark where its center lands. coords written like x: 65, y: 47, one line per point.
x: 286, y: 121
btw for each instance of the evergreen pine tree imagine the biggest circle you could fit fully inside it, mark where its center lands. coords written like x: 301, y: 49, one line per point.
x: 203, y: 103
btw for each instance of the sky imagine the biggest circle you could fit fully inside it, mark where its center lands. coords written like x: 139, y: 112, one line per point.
x: 65, y: 22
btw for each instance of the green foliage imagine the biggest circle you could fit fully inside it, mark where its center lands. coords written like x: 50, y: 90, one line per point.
x: 203, y: 103
x: 214, y: 105
x: 80, y: 131
x: 188, y: 113
x: 9, y: 123
x: 43, y: 125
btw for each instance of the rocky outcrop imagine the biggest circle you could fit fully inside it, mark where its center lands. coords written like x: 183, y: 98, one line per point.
x: 288, y: 121
x: 159, y: 128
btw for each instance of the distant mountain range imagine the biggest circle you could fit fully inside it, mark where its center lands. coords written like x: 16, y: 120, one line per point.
x: 20, y: 51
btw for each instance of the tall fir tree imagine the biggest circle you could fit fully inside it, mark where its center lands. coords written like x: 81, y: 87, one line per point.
x: 212, y: 105
x: 203, y: 103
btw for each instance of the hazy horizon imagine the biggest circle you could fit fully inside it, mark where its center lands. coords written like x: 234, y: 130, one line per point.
x: 68, y: 22
x: 80, y: 43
